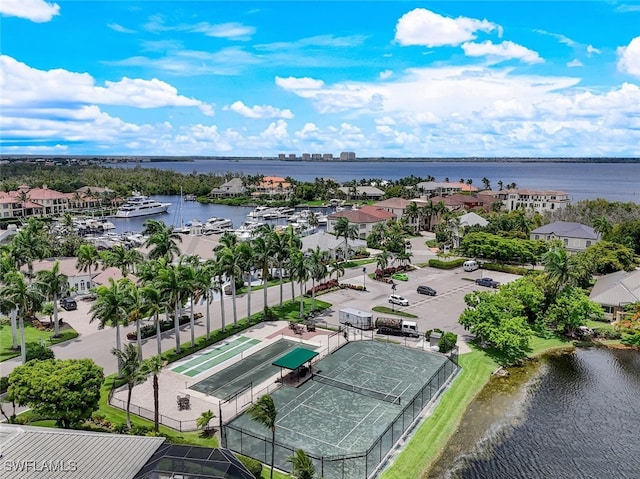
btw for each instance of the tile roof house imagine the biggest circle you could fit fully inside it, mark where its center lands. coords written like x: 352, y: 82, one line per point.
x: 273, y: 185
x: 536, y: 200
x: 364, y: 220
x: 575, y: 236
x: 80, y: 282
x: 613, y: 291
x: 329, y: 243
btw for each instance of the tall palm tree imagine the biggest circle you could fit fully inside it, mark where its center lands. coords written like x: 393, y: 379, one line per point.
x: 346, y: 230
x: 317, y: 270
x: 24, y: 297
x: 412, y: 211
x: 204, y: 277
x: 264, y: 251
x: 558, y: 268
x: 54, y: 284
x: 130, y: 365
x: 293, y: 246
x: 30, y: 244
x: 300, y: 273
x: 336, y: 267
x: 603, y: 226
x: 154, y: 366
x: 244, y: 254
x: 122, y: 258
x: 153, y: 306
x: 110, y: 307
x: 218, y: 274
x: 280, y: 255
x: 137, y: 310
x: 8, y: 265
x: 168, y: 283
x: 264, y: 412
x: 190, y: 284
x: 230, y: 264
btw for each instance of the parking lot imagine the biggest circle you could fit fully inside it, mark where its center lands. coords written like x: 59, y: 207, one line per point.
x: 439, y: 311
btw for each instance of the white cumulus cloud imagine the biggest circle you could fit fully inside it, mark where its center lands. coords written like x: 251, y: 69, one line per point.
x: 292, y: 83
x: 385, y: 74
x: 424, y: 27
x: 37, y: 11
x: 629, y: 58
x: 501, y: 51
x: 575, y: 63
x: 259, y: 111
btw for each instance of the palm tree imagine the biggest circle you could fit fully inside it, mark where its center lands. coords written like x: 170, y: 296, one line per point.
x: 190, y: 284
x: 54, y: 283
x: 280, y: 256
x: 168, y: 283
x: 110, y: 307
x: 601, y: 225
x: 317, y: 270
x: 153, y: 366
x: 162, y: 240
x: 153, y: 306
x: 218, y: 275
x: 24, y: 297
x: 300, y: 273
x: 88, y: 257
x: 244, y: 254
x: 264, y: 412
x: 121, y: 257
x: 347, y: 230
x: 204, y: 276
x: 382, y: 259
x: 7, y: 265
x: 230, y: 264
x: 264, y: 252
x: 558, y: 268
x: 412, y: 211
x: 31, y: 243
x: 204, y: 419
x: 130, y: 365
x: 301, y: 465
x: 137, y: 310
x: 293, y: 245
x: 336, y: 267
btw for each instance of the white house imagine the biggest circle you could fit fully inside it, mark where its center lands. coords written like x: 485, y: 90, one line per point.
x: 536, y: 200
x: 614, y: 291
x: 80, y: 282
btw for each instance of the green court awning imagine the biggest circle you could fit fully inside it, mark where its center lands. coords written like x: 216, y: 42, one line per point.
x: 295, y: 359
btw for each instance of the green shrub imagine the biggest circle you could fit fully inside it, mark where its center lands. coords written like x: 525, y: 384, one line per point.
x: 4, y: 384
x: 607, y: 333
x: 254, y: 467
x: 631, y: 339
x: 440, y: 264
x: 447, y: 342
x: 39, y: 351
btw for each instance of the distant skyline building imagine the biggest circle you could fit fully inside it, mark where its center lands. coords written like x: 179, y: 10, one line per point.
x: 347, y: 155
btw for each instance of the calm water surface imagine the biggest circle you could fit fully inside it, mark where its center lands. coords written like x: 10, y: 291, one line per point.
x: 613, y: 181
x: 572, y: 416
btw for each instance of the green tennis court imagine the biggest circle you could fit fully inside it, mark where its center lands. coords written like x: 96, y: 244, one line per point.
x: 253, y: 369
x: 214, y: 356
x: 347, y: 432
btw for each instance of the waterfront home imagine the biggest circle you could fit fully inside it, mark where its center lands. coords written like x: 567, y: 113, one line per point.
x: 329, y: 243
x: 361, y: 192
x: 396, y: 209
x: 614, y: 291
x: 12, y: 206
x: 233, y: 187
x: 273, y: 185
x: 364, y: 218
x: 443, y: 188
x: 574, y: 236
x: 535, y: 200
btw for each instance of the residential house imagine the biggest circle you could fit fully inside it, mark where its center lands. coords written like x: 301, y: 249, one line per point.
x: 52, y: 202
x: 574, y: 236
x: 80, y: 282
x: 443, y: 188
x: 536, y: 200
x: 327, y: 242
x: 361, y: 192
x: 14, y: 206
x: 229, y: 189
x: 364, y: 218
x: 614, y: 291
x: 273, y: 185
x: 397, y: 207
x: 462, y: 223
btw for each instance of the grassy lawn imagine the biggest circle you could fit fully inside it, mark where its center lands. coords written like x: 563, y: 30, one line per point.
x: 433, y: 434
x: 32, y: 335
x: 394, y: 312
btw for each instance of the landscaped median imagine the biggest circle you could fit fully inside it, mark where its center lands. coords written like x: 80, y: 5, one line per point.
x: 32, y: 336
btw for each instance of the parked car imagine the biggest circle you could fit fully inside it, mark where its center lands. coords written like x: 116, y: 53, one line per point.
x: 399, y: 300
x: 400, y: 276
x: 488, y: 282
x: 428, y: 290
x: 68, y: 304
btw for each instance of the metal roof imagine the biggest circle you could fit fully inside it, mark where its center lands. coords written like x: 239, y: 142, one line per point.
x: 295, y: 358
x: 566, y: 229
x: 28, y: 452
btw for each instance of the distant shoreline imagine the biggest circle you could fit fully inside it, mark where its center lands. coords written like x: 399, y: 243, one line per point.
x: 156, y: 159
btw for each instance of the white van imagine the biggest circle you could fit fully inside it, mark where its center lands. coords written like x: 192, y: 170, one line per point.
x: 470, y: 265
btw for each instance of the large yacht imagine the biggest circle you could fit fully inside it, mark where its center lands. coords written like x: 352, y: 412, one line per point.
x: 140, y: 205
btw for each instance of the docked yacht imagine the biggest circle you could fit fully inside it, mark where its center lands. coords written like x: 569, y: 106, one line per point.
x: 140, y: 205
x: 216, y: 225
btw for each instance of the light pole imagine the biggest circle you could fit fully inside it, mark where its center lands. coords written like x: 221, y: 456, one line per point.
x: 364, y: 278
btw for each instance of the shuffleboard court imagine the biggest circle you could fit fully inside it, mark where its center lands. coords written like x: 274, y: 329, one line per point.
x: 253, y: 369
x: 214, y: 356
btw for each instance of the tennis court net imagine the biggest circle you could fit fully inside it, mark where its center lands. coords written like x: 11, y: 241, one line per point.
x: 391, y: 398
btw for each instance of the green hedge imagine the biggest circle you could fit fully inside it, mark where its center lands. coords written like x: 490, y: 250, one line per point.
x: 440, y: 264
x: 254, y: 467
x: 508, y: 268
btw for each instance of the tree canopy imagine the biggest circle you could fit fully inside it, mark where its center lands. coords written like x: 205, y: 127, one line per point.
x: 67, y: 391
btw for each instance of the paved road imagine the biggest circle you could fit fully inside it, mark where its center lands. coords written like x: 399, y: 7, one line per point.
x: 440, y: 311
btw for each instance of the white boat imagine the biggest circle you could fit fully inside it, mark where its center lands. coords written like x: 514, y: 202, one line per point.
x: 247, y: 230
x: 259, y: 211
x: 217, y: 225
x: 140, y: 205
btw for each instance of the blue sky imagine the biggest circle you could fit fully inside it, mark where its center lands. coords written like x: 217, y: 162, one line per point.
x: 381, y: 78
